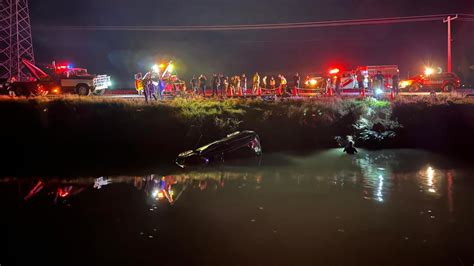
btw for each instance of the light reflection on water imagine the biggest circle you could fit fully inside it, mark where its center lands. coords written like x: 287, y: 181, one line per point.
x: 374, y: 173
x: 394, y: 204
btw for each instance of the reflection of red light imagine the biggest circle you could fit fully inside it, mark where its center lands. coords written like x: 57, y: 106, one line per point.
x: 334, y: 71
x: 62, y: 193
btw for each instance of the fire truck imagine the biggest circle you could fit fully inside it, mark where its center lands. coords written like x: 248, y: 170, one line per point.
x: 369, y: 73
x: 63, y: 79
x: 349, y: 84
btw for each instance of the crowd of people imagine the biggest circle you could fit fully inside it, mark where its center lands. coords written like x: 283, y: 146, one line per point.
x: 222, y: 85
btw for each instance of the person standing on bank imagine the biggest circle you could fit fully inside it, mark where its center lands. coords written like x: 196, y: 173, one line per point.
x: 202, y: 84
x: 379, y: 79
x: 360, y: 80
x: 297, y: 80
x: 272, y: 83
x: 256, y: 83
x: 395, y: 84
x: 222, y: 84
x: 215, y: 85
x: 338, y: 84
x: 195, y: 85
x: 243, y: 83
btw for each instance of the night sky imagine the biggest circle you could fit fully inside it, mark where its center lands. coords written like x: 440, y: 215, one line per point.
x: 121, y: 54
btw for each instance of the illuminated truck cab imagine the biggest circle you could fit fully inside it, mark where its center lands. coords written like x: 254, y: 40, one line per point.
x: 78, y: 80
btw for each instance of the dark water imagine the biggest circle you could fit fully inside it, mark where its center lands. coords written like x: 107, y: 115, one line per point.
x: 377, y: 208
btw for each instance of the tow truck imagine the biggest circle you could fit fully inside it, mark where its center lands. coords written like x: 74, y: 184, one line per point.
x: 63, y: 79
x: 78, y: 80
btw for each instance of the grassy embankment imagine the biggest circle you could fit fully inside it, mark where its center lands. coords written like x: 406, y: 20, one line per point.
x: 102, y: 132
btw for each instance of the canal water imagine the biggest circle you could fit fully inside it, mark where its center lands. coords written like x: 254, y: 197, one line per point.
x: 396, y: 207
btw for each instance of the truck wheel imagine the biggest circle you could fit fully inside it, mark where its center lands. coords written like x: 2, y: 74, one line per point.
x: 448, y: 88
x: 99, y: 92
x: 83, y: 90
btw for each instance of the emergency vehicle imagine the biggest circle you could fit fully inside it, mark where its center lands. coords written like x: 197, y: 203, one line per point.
x: 437, y: 82
x: 349, y: 83
x: 63, y: 79
x: 166, y: 75
x: 316, y: 83
x: 78, y: 80
x: 369, y: 73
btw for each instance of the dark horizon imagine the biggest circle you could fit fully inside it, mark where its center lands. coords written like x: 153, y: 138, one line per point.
x: 121, y: 54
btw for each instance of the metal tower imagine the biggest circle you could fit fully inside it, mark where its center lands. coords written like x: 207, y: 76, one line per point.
x: 16, y: 41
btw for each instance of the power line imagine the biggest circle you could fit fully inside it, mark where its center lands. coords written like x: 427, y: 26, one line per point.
x: 296, y: 25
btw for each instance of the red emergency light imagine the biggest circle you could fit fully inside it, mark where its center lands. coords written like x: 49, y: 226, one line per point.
x: 63, y: 66
x: 334, y: 71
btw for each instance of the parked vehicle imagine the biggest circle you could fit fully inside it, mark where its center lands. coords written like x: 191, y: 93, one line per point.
x: 63, y: 79
x: 438, y: 82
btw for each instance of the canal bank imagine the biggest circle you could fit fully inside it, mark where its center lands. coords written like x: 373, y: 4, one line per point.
x: 95, y: 132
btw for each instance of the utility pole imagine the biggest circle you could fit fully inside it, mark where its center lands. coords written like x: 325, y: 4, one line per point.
x: 450, y: 40
x: 16, y: 42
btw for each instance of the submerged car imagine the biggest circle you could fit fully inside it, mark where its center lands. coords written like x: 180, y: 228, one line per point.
x: 235, y: 146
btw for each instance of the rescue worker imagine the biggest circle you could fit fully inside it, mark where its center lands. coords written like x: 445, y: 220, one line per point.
x: 256, y: 83
x: 264, y: 82
x: 147, y: 86
x: 379, y: 80
x: 272, y: 83
x: 226, y: 85
x: 215, y: 85
x: 338, y: 84
x: 369, y: 83
x: 395, y: 84
x: 153, y: 90
x: 161, y: 88
x: 324, y: 85
x: 283, y: 83
x: 202, y: 84
x: 296, y: 80
x: 360, y: 80
x: 243, y: 83
x: 350, y: 149
x: 231, y: 90
x: 139, y: 83
x: 237, y: 85
x: 222, y: 84
x: 195, y: 84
